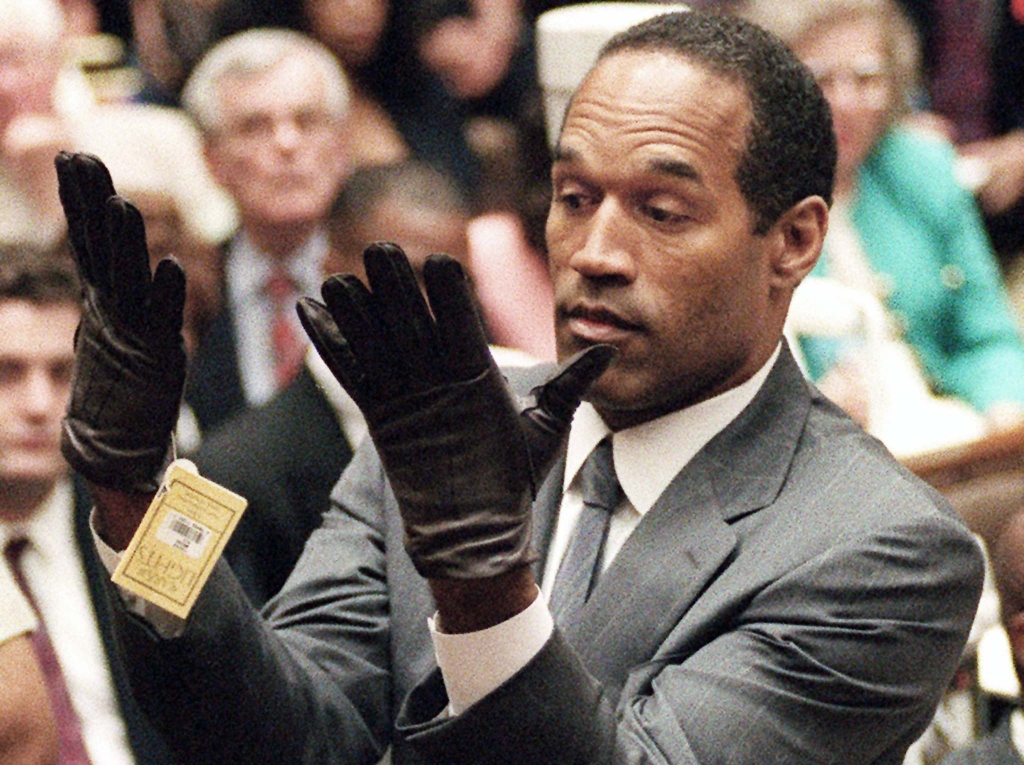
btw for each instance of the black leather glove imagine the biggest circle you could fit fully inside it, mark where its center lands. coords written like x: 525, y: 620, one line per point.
x: 462, y: 460
x: 129, y: 351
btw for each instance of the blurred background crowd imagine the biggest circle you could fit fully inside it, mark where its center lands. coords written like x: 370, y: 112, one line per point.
x: 267, y: 141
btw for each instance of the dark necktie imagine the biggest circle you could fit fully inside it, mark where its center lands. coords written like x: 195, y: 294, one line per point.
x: 601, y: 494
x: 72, y: 748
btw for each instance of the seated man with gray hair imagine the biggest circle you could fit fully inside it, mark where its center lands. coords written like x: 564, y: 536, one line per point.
x: 271, y: 105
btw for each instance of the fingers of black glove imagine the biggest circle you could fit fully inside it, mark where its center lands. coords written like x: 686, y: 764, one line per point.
x: 74, y: 212
x: 167, y: 301
x: 560, y: 395
x: 95, y: 187
x: 332, y: 347
x: 459, y: 327
x: 129, y: 263
x: 546, y: 422
x: 404, y: 312
x: 355, y: 313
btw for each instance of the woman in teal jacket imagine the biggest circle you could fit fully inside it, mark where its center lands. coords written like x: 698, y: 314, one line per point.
x: 902, y: 228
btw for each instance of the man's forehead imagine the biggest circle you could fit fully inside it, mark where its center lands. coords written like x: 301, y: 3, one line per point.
x: 658, y: 74
x: 54, y: 317
x: 658, y: 100
x: 653, y: 164
x: 42, y: 339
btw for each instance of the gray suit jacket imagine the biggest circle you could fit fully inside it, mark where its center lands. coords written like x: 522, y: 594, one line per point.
x: 794, y: 596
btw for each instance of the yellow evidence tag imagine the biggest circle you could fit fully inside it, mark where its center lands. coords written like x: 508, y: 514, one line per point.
x: 181, y: 537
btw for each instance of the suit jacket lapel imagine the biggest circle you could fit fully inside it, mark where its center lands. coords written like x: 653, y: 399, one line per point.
x: 686, y: 537
x: 656, y: 576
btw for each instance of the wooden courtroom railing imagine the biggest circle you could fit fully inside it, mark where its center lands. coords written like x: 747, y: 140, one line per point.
x: 983, y: 479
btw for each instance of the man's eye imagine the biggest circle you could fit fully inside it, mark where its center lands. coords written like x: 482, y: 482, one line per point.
x: 61, y: 372
x: 10, y: 371
x: 253, y: 126
x: 572, y: 201
x: 660, y: 215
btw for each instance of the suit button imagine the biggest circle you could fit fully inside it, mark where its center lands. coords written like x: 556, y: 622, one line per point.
x: 952, y: 277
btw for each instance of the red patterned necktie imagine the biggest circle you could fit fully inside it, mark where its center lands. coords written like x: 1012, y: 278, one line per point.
x: 289, y: 348
x: 72, y: 747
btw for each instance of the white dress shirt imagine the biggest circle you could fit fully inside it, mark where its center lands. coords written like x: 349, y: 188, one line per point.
x: 351, y: 420
x: 646, y: 457
x: 16, y: 615
x: 252, y: 310
x: 54, y: 572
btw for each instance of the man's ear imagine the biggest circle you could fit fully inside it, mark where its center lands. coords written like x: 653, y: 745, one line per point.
x: 798, y: 236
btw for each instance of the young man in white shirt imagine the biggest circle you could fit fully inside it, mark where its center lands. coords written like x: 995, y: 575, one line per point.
x: 39, y: 312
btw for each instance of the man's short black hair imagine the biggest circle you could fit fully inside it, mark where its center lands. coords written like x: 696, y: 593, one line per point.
x: 410, y: 182
x: 791, y: 147
x: 38, y: 276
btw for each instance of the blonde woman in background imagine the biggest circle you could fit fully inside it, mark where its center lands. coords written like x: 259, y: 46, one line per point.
x: 905, y: 233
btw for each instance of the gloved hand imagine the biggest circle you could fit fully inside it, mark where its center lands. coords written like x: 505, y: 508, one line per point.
x: 463, y: 462
x: 129, y: 351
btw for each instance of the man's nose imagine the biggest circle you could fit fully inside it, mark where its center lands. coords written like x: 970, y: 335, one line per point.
x: 41, y: 397
x: 607, y: 250
x: 287, y: 134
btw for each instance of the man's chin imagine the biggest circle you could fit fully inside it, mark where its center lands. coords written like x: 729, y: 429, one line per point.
x: 32, y: 472
x: 617, y: 400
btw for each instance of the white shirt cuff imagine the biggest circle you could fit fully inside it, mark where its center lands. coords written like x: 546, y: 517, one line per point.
x: 473, y: 664
x: 164, y: 623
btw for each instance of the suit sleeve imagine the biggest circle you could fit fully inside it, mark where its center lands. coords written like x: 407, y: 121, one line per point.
x: 308, y: 680
x: 840, y: 659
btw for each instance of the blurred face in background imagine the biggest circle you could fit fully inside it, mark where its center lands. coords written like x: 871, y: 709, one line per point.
x: 279, y: 150
x: 29, y: 68
x: 350, y: 28
x: 851, y: 63
x: 36, y: 356
x: 420, y: 232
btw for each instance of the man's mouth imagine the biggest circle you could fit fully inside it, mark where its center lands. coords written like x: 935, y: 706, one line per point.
x: 598, y: 324
x: 37, y: 443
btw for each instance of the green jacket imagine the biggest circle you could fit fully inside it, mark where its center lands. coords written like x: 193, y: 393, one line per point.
x: 923, y: 234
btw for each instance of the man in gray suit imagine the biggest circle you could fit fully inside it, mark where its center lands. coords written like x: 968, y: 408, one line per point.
x: 771, y: 585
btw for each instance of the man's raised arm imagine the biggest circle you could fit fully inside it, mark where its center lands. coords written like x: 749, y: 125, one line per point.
x: 129, y: 351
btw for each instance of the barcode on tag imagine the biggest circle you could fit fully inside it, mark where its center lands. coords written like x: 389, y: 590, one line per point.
x: 183, y: 533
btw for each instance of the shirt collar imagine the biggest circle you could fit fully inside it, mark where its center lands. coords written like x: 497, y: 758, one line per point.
x: 648, y: 456
x: 50, y: 528
x: 248, y: 267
